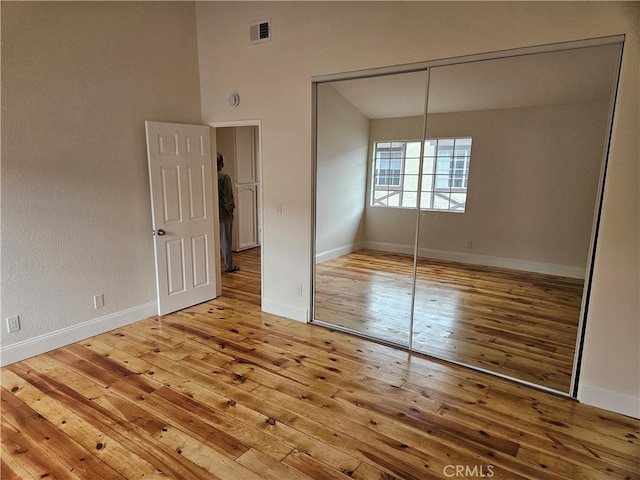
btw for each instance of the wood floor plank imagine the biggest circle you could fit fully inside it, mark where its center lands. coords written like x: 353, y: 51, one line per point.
x: 34, y: 458
x: 67, y: 458
x: 11, y: 468
x: 109, y: 415
x: 197, y: 453
x: 176, y: 407
x: 112, y: 452
x: 536, y: 444
x: 426, y: 456
x: 223, y: 390
x: 203, y: 423
x: 557, y: 462
x: 119, y: 353
x: 165, y: 405
x: 256, y: 412
x: 367, y: 471
x: 305, y: 463
x: 270, y: 469
x: 16, y: 454
x: 566, y: 419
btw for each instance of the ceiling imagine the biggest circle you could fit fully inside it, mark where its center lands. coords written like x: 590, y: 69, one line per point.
x: 567, y: 76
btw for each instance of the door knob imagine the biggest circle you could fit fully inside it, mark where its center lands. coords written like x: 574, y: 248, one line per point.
x: 161, y: 232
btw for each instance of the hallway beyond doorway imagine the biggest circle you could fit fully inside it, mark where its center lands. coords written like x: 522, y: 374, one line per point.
x: 244, y: 284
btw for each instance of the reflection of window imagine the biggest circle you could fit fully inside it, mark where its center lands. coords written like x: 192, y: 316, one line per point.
x: 388, y: 169
x: 445, y: 174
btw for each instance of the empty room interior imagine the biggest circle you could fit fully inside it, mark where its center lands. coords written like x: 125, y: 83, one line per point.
x: 437, y: 228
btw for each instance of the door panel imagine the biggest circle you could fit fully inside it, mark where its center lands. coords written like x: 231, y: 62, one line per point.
x: 182, y: 204
x: 171, y: 195
x: 248, y: 219
x: 167, y: 143
x: 199, y: 255
x: 197, y: 197
x: 175, y: 266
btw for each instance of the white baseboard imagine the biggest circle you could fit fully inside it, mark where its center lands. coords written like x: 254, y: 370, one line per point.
x: 286, y: 311
x: 338, y: 252
x: 486, y: 260
x: 615, y: 401
x: 75, y: 333
x: 389, y: 247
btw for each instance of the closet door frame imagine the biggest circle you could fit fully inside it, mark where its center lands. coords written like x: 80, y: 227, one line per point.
x: 426, y: 66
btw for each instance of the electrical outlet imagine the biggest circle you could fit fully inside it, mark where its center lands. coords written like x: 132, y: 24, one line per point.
x: 469, y: 244
x: 13, y: 324
x: 300, y: 290
x: 278, y: 208
x: 98, y: 300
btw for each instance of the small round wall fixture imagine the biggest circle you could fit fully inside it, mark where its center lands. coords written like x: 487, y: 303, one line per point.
x: 234, y: 99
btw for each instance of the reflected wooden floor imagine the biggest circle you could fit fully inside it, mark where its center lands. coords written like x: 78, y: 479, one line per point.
x: 223, y: 391
x: 517, y: 324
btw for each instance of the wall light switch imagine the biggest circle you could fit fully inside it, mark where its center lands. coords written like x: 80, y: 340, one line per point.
x: 279, y: 208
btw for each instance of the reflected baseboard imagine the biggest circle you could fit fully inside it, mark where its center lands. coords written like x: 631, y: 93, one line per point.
x: 485, y: 260
x: 339, y: 252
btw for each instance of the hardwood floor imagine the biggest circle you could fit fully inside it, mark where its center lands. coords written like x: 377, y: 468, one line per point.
x: 223, y: 391
x: 519, y: 324
x: 244, y: 284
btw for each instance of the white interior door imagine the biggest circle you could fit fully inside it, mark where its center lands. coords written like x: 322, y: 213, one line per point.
x: 247, y: 184
x: 247, y: 220
x: 182, y: 210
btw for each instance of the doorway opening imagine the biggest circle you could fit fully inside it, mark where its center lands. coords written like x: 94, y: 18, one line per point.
x: 240, y: 143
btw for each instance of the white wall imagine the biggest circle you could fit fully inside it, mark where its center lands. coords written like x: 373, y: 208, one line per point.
x: 78, y: 82
x: 315, y: 38
x: 532, y: 188
x: 343, y: 141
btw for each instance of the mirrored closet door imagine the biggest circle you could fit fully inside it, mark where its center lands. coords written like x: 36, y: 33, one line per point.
x: 466, y: 233
x: 365, y: 270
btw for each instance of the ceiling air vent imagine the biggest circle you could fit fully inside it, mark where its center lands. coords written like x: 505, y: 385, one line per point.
x: 260, y: 31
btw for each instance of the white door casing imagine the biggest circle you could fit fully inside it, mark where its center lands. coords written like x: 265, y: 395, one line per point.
x: 180, y: 178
